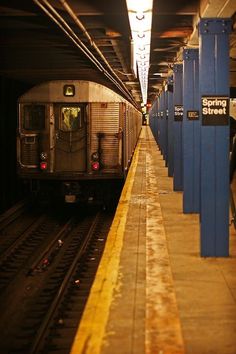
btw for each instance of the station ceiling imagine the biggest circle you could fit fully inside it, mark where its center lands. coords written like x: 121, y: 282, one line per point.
x: 90, y: 39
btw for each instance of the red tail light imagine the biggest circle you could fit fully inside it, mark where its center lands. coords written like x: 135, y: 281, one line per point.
x: 43, y: 165
x: 95, y: 165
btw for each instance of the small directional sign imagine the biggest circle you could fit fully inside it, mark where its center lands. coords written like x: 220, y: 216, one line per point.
x: 193, y: 115
x: 178, y: 113
x: 215, y: 110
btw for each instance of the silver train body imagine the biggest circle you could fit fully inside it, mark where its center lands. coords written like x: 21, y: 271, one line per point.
x: 74, y: 138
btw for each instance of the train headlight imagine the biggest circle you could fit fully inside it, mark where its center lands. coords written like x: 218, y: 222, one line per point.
x: 43, y: 156
x: 95, y: 165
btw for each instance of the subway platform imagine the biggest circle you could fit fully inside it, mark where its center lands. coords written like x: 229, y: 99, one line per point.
x: 153, y: 293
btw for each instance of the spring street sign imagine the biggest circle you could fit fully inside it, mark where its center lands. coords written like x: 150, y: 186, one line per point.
x: 215, y: 110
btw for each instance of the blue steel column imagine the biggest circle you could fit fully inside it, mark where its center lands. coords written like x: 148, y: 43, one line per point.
x: 163, y: 127
x: 214, y: 81
x: 158, y: 123
x: 161, y: 124
x: 170, y: 108
x: 155, y: 125
x: 151, y: 118
x: 178, y: 151
x: 165, y: 130
x: 191, y: 132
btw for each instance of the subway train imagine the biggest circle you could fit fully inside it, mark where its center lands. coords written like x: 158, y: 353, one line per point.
x: 75, y: 140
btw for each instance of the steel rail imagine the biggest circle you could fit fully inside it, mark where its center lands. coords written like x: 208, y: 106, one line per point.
x: 57, y: 299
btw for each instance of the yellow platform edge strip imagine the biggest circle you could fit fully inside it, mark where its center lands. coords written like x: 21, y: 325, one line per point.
x: 90, y: 335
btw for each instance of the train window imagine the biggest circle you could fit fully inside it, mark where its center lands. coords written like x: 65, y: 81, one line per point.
x: 70, y: 118
x: 34, y: 117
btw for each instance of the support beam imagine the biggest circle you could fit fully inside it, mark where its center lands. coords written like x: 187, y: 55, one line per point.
x: 178, y: 120
x: 170, y: 121
x: 214, y: 95
x: 191, y: 132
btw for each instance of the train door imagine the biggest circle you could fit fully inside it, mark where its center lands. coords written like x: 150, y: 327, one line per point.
x: 70, y: 137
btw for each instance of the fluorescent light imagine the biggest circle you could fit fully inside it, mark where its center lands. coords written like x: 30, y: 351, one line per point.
x: 161, y: 74
x: 139, y: 5
x: 140, y: 18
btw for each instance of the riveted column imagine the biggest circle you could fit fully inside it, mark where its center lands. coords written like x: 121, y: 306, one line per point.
x: 152, y: 119
x: 160, y: 135
x: 157, y: 121
x: 191, y: 132
x: 214, y: 95
x: 163, y: 125
x: 165, y: 116
x: 178, y: 120
x: 170, y: 120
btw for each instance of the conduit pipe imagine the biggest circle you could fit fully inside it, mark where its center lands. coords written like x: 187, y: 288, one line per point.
x: 92, y: 43
x: 57, y: 18
x: 67, y: 29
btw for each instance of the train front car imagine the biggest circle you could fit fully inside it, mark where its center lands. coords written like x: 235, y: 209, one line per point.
x: 75, y: 139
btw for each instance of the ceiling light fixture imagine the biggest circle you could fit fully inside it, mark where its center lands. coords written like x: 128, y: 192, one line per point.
x: 141, y: 35
x: 141, y: 48
x: 140, y: 18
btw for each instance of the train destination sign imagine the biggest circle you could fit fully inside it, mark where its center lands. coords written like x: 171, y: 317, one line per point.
x: 178, y: 113
x: 215, y: 110
x: 193, y: 115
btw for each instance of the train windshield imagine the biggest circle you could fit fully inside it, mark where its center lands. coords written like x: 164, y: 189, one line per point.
x: 34, y: 117
x: 70, y: 118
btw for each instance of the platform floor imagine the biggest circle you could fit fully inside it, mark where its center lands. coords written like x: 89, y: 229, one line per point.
x: 153, y: 293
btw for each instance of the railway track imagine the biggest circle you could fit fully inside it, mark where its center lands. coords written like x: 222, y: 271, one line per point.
x: 53, y: 286
x: 18, y: 250
x: 13, y: 213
